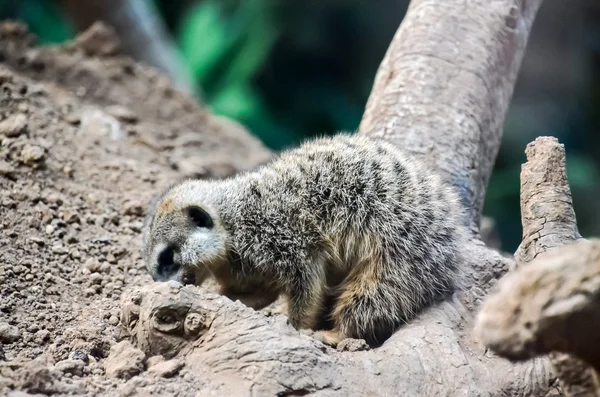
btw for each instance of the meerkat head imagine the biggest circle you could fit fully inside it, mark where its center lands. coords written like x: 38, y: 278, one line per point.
x: 184, y: 235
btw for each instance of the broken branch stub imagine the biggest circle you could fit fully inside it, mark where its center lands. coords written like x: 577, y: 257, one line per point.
x: 547, y: 211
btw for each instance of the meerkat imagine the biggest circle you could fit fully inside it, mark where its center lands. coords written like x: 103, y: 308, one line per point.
x: 348, y: 219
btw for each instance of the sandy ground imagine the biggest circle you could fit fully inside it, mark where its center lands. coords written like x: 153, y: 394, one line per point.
x: 86, y: 140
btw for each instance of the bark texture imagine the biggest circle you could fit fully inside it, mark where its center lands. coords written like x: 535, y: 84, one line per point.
x: 549, y: 305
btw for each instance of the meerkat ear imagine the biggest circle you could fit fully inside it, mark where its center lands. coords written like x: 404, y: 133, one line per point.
x: 199, y: 217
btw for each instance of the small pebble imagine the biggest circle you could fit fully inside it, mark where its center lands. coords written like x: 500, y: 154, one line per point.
x: 37, y: 240
x: 166, y: 369
x: 32, y: 155
x: 89, y: 292
x: 124, y: 361
x: 70, y: 217
x: 72, y: 367
x: 9, y: 333
x: 95, y: 278
x: 92, y: 264
x: 54, y: 198
x: 122, y: 113
x: 42, y: 336
x: 79, y: 355
x: 14, y: 125
x: 6, y: 169
x: 134, y: 208
x: 59, y: 249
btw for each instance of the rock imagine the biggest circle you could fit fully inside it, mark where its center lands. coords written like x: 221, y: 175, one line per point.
x: 9, y: 333
x: 37, y: 240
x: 95, y: 278
x: 152, y: 361
x: 32, y: 155
x: 96, y: 123
x: 14, y: 125
x: 122, y: 113
x: 79, y: 355
x: 36, y: 377
x: 92, y: 264
x: 54, y: 198
x: 131, y: 387
x: 99, y: 40
x: 89, y: 292
x: 134, y: 208
x: 70, y: 216
x: 353, y: 345
x: 166, y: 369
x: 6, y: 169
x: 59, y: 249
x: 73, y: 367
x: 23, y: 394
x: 42, y: 336
x: 124, y: 361
x: 113, y: 320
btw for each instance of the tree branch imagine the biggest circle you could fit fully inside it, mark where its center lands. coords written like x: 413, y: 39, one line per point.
x: 445, y: 84
x: 551, y: 304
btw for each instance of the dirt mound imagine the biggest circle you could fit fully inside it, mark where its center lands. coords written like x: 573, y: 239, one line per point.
x: 87, y: 138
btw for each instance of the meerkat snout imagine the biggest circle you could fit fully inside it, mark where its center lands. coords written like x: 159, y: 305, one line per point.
x: 187, y: 238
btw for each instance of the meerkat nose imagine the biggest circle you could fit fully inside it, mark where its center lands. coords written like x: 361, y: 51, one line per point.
x: 167, y: 266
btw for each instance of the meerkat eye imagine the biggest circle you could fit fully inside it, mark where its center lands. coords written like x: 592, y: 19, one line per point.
x: 199, y: 217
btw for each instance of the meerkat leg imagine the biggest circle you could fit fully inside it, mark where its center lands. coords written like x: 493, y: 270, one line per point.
x: 252, y: 298
x: 304, y: 298
x: 369, y: 307
x: 201, y: 274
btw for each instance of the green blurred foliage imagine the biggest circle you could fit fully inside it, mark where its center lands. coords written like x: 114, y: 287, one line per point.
x: 277, y: 67
x: 290, y: 70
x: 43, y: 17
x: 226, y: 44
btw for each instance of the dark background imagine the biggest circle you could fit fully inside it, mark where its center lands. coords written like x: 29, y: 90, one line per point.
x: 293, y: 69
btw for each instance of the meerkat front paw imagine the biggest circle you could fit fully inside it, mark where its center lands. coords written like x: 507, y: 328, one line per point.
x: 331, y: 338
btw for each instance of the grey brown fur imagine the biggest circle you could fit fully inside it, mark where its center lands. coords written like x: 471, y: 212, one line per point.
x: 347, y: 226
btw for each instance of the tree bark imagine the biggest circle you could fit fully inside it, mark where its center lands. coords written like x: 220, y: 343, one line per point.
x: 448, y: 77
x: 142, y: 34
x: 445, y: 84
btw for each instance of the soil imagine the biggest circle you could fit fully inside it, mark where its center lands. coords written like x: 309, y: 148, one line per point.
x: 87, y: 139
